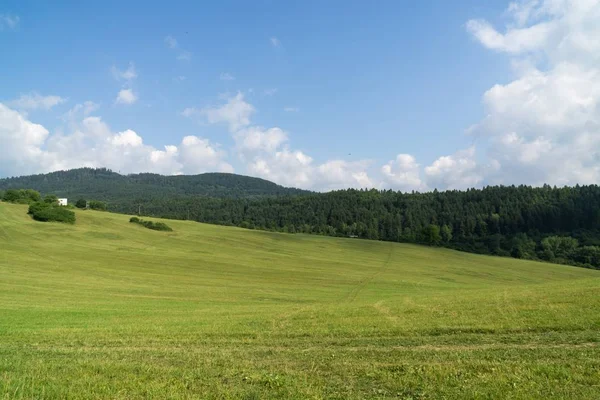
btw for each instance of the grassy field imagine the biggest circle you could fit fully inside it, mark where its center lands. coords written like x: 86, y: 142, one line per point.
x: 109, y: 309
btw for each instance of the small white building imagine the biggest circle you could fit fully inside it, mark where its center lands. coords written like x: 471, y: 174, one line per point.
x: 62, y: 202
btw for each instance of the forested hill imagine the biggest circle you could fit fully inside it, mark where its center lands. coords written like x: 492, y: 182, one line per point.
x: 554, y: 224
x: 106, y: 185
x: 549, y: 223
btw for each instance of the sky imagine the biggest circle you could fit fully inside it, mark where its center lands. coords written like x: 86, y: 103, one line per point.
x: 316, y: 95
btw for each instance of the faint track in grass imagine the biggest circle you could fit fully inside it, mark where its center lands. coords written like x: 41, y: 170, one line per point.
x: 351, y: 296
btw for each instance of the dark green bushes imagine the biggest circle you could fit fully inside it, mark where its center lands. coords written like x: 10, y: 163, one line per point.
x: 97, y: 205
x: 21, y: 196
x: 157, y: 226
x: 51, y: 212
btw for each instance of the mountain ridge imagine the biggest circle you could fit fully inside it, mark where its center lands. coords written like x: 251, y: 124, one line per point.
x: 104, y: 184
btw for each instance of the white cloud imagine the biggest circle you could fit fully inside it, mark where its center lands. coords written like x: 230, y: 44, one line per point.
x: 403, y: 173
x: 126, y: 138
x: 457, y: 171
x: 267, y: 153
x: 289, y: 168
x: 235, y: 113
x: 199, y: 155
x: 270, y: 92
x: 126, y: 96
x: 514, y: 40
x: 225, y: 76
x: 30, y: 148
x: 8, y: 21
x: 81, y: 109
x: 182, y: 54
x: 256, y: 139
x: 20, y: 141
x: 291, y: 109
x: 295, y: 168
x: 275, y: 42
x: 340, y: 174
x: 35, y: 101
x: 544, y: 126
x: 124, y: 75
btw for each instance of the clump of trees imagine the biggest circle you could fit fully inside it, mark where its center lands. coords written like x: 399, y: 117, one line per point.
x: 92, y: 204
x: 21, y: 196
x: 48, y: 210
x: 97, y: 205
x: 157, y: 226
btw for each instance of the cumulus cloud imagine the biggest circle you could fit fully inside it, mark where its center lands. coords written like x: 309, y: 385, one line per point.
x: 235, y: 113
x: 30, y: 148
x: 544, y: 126
x: 403, y: 173
x: 20, y: 141
x: 456, y: 171
x: 267, y: 153
x: 35, y: 101
x: 295, y: 168
x: 126, y: 96
x: 8, y: 21
x: 200, y: 155
x: 257, y: 139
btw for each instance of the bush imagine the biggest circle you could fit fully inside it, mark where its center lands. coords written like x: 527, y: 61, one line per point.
x: 21, y: 196
x: 50, y: 212
x: 97, y: 205
x: 51, y: 199
x: 81, y: 203
x: 157, y: 226
x: 38, y: 206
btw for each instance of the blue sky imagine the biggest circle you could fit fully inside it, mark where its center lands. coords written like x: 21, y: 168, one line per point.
x: 307, y: 94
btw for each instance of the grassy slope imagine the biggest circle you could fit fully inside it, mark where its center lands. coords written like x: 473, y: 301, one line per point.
x: 110, y: 308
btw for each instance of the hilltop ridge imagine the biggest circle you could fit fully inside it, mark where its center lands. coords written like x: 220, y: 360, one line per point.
x: 105, y: 184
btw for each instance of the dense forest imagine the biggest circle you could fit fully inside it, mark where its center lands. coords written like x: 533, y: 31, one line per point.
x: 554, y: 224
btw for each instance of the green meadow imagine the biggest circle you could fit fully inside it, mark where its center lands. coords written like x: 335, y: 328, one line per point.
x: 108, y: 309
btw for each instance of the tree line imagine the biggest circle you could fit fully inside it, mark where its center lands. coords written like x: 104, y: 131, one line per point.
x: 547, y: 223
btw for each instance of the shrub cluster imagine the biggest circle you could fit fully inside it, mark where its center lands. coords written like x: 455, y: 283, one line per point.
x: 51, y: 212
x: 21, y: 196
x: 157, y: 226
x: 97, y: 205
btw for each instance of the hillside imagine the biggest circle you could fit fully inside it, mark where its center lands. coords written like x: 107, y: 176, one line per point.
x: 109, y: 309
x: 103, y: 184
x: 560, y: 225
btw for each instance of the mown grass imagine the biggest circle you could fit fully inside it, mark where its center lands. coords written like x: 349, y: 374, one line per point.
x: 104, y: 309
